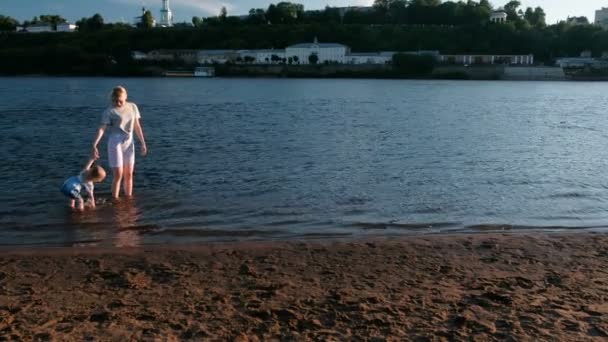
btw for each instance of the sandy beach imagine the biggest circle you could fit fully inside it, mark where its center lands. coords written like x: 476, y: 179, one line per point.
x: 427, y: 288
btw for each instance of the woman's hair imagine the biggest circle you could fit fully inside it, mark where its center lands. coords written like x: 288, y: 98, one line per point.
x: 117, y: 91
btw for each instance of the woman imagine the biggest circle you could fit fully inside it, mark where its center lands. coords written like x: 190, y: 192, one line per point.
x: 122, y: 118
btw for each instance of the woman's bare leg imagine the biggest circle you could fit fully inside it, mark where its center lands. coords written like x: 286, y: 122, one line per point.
x: 128, y: 180
x: 116, y: 179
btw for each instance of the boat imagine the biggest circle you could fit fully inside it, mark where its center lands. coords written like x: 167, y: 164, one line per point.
x: 204, y: 72
x: 591, y: 69
x: 178, y: 73
x: 198, y: 72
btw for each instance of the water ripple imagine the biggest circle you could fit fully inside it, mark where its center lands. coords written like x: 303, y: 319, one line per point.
x: 266, y: 159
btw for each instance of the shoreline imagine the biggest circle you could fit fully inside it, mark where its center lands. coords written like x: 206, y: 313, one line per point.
x: 372, y: 72
x: 489, y: 286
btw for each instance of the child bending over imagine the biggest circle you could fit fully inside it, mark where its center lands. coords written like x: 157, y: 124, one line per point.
x: 77, y: 188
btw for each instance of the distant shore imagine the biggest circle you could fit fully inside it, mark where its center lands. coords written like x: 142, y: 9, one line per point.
x: 529, y: 286
x: 489, y: 72
x: 450, y: 72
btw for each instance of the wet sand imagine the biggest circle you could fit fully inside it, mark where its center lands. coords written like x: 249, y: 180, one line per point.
x: 449, y: 287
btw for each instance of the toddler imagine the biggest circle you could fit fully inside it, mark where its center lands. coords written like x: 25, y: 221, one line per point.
x: 77, y: 188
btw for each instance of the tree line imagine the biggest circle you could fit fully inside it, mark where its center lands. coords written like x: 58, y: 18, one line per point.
x: 390, y: 25
x: 405, y: 12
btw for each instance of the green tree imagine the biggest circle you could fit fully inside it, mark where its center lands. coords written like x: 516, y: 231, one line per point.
x: 52, y: 20
x: 512, y: 10
x: 197, y: 21
x: 93, y: 23
x: 413, y: 65
x: 382, y: 5
x: 8, y: 23
x: 147, y: 20
x: 34, y: 21
x: 430, y: 3
x: 539, y: 17
x: 96, y: 22
x: 313, y: 58
x: 257, y: 16
x: 485, y: 4
x: 223, y: 14
x: 285, y: 13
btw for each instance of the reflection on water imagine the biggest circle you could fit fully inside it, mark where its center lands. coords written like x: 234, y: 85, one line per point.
x: 112, y: 221
x: 126, y: 215
x: 86, y: 228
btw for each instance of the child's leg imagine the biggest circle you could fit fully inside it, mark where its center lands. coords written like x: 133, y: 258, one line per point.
x: 80, y: 204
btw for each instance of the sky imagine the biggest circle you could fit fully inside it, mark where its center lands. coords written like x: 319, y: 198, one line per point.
x: 184, y: 10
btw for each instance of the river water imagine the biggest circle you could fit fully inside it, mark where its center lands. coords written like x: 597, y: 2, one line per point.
x: 265, y: 159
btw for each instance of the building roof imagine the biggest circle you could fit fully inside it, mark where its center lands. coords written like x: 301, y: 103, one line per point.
x: 311, y: 45
x: 364, y: 54
x: 39, y: 25
x: 173, y: 51
x: 262, y: 51
x: 216, y: 52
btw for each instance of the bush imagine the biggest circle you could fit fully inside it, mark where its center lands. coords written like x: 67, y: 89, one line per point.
x: 413, y: 65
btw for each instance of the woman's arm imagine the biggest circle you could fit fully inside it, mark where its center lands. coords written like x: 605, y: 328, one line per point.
x: 140, y: 135
x: 98, y: 136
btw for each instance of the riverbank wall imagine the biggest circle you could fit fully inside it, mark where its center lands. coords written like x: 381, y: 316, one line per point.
x: 535, y: 73
x: 481, y: 72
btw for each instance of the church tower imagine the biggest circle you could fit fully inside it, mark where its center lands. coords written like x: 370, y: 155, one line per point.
x: 166, y: 17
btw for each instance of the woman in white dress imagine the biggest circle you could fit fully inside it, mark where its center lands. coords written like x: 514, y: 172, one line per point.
x: 121, y: 120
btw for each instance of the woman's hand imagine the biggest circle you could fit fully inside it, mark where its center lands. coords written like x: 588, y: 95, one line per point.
x: 143, y: 149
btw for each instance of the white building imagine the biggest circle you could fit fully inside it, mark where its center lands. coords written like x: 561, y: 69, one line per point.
x: 216, y: 56
x: 166, y: 16
x: 138, y: 55
x: 601, y: 17
x: 487, y: 59
x: 385, y: 57
x: 361, y: 9
x: 263, y: 56
x: 574, y: 61
x: 499, y: 16
x: 66, y: 27
x: 39, y: 28
x: 577, y: 21
x: 370, y: 58
x: 325, y: 52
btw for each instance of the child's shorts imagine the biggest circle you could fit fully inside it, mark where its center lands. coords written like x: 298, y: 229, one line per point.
x: 121, y: 150
x: 72, y: 188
